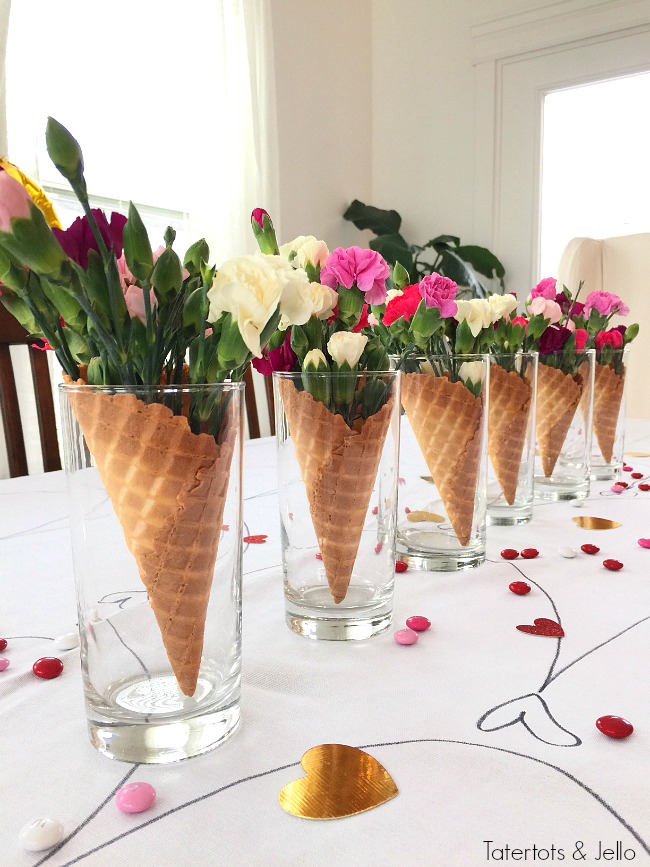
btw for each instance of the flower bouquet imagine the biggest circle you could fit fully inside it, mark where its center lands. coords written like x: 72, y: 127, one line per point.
x: 152, y: 350
x: 335, y: 399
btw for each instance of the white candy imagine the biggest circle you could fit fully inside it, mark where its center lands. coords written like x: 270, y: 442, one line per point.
x: 67, y: 642
x: 568, y: 552
x: 40, y: 834
x: 577, y: 504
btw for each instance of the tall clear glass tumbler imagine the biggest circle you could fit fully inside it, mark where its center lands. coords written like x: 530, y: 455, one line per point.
x: 608, y: 430
x: 565, y: 388
x: 154, y: 485
x: 338, y: 448
x: 443, y: 461
x: 511, y: 438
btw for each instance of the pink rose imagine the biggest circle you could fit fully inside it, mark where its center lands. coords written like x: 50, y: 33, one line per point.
x: 548, y: 309
x: 612, y: 338
x: 439, y: 291
x: 353, y: 265
x: 14, y: 201
x: 605, y: 303
x: 582, y: 337
x: 546, y: 288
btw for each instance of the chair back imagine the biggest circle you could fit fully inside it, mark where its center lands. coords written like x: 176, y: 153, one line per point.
x: 13, y: 334
x: 619, y: 265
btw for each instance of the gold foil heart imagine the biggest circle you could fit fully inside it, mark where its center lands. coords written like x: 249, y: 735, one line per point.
x: 418, y: 517
x: 637, y: 454
x: 589, y: 523
x: 341, y: 781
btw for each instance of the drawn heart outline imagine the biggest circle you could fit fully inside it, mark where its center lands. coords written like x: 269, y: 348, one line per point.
x: 543, y: 626
x: 341, y: 781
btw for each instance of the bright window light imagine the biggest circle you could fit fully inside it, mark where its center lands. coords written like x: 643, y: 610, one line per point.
x: 595, y: 164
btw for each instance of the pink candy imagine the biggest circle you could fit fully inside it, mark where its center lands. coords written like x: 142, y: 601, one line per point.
x: 419, y: 623
x: 405, y: 636
x: 4, y: 663
x: 617, y: 489
x: 135, y: 797
x: 644, y: 543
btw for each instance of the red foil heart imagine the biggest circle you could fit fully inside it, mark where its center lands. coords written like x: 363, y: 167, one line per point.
x: 543, y: 626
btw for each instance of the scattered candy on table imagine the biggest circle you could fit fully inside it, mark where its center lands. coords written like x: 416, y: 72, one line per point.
x: 405, y: 636
x: 627, y: 468
x: 40, y: 834
x: 623, y: 484
x: 612, y: 565
x: 4, y: 663
x: 568, y: 552
x: 3, y: 643
x: 617, y: 489
x: 47, y: 667
x: 614, y: 726
x: 637, y: 475
x: 375, y: 510
x: 135, y: 797
x: 401, y: 566
x: 319, y: 556
x: 519, y: 587
x: 644, y: 543
x: 67, y: 642
x: 418, y: 623
x: 509, y: 554
x: 530, y: 553
x: 590, y: 549
x: 644, y: 487
x: 407, y: 510
x: 378, y: 547
x: 577, y: 504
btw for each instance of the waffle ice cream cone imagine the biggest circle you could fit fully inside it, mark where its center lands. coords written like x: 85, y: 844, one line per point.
x: 608, y: 394
x: 510, y: 398
x: 558, y: 396
x: 168, y: 488
x: 446, y: 420
x: 338, y: 465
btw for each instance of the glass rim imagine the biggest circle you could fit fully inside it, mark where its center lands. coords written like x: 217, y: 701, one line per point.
x: 163, y: 388
x: 365, y: 374
x: 557, y: 352
x: 519, y: 353
x: 422, y: 356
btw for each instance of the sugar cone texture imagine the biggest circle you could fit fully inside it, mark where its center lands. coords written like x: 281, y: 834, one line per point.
x: 338, y: 465
x: 558, y: 396
x: 608, y: 394
x: 446, y: 420
x: 168, y: 488
x: 510, y: 398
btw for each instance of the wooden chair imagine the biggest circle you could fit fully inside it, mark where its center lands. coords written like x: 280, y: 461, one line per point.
x: 252, y: 414
x: 13, y: 334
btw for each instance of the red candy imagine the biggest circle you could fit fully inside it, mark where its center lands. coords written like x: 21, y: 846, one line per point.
x: 519, y: 587
x: 375, y: 510
x: 590, y: 549
x: 622, y: 484
x: 614, y: 726
x: 47, y: 667
x: 3, y: 643
x: 407, y: 510
x: 509, y: 554
x: 637, y: 475
x: 627, y: 469
x: 613, y: 565
x: 401, y: 566
x: 418, y: 623
x: 319, y: 556
x: 530, y: 553
x: 644, y: 487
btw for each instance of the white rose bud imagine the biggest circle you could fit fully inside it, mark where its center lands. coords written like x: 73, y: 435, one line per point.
x: 315, y: 360
x: 346, y: 347
x: 304, y: 249
x: 472, y: 371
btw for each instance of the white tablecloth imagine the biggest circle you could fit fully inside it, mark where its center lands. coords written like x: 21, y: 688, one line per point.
x: 436, y: 715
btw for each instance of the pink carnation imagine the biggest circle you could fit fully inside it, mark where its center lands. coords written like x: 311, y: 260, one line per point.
x: 439, y: 291
x: 15, y: 202
x: 548, y: 309
x: 546, y: 288
x: 605, y: 303
x: 403, y: 306
x: 353, y: 265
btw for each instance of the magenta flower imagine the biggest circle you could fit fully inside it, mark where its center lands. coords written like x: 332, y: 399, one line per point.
x: 282, y: 358
x: 78, y: 239
x: 566, y: 304
x: 439, y: 291
x: 553, y: 339
x: 258, y: 216
x: 353, y: 265
x: 612, y: 338
x: 546, y: 288
x: 605, y: 303
x: 582, y: 337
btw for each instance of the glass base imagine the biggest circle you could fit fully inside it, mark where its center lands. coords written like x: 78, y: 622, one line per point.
x: 508, y: 516
x: 338, y: 629
x: 149, y: 721
x: 605, y: 472
x: 556, y: 491
x: 443, y: 562
x: 437, y: 550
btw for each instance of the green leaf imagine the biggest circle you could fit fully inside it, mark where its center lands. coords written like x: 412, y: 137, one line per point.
x: 378, y: 220
x: 482, y: 260
x: 443, y: 241
x: 394, y: 249
x: 401, y: 276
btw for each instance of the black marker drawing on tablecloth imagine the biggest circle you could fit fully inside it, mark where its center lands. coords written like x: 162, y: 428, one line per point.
x: 531, y: 709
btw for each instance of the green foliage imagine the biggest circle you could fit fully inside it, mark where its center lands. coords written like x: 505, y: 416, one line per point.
x: 468, y: 265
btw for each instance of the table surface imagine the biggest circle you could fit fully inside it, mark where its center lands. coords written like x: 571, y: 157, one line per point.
x: 489, y: 733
